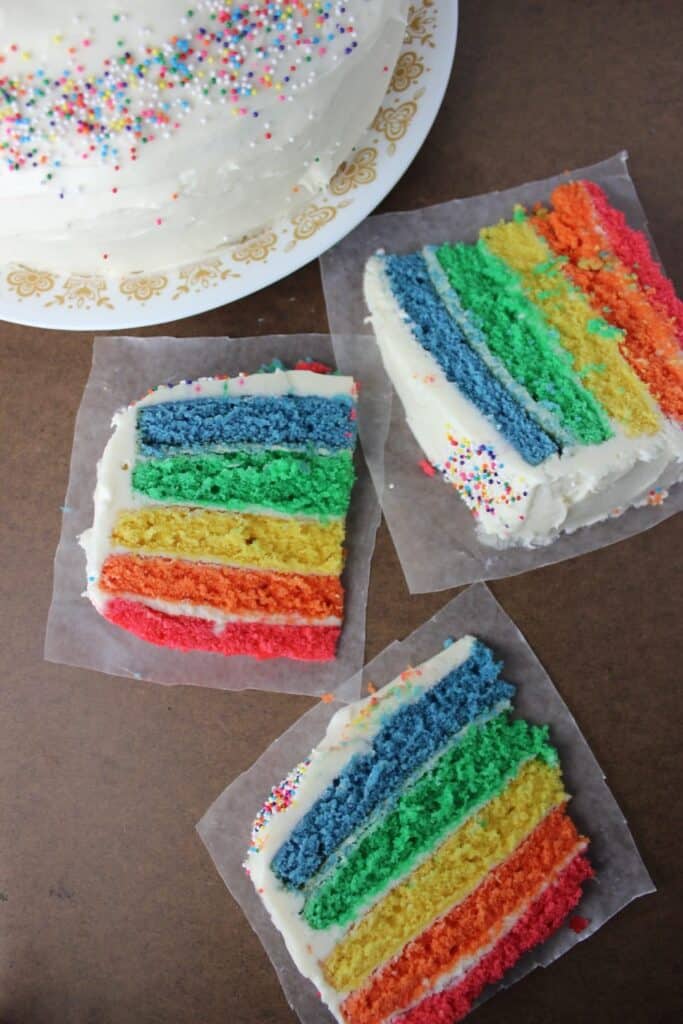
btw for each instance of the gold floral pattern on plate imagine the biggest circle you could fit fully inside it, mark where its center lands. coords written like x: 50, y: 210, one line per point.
x: 197, y: 277
x: 408, y: 69
x: 311, y: 219
x: 27, y: 283
x: 257, y: 248
x: 393, y: 122
x: 83, y: 291
x: 143, y: 287
x: 361, y: 169
x: 421, y: 23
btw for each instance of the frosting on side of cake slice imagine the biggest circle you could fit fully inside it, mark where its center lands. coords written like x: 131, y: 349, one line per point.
x: 220, y: 514
x: 411, y: 850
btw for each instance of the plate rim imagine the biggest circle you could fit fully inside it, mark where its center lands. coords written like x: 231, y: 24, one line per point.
x: 122, y: 318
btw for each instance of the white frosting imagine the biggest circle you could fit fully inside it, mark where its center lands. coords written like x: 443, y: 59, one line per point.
x: 581, y: 486
x: 220, y: 168
x: 350, y: 732
x: 220, y: 619
x: 114, y: 492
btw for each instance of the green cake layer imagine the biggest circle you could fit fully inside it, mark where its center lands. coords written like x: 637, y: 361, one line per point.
x: 517, y: 333
x: 466, y: 776
x: 297, y: 483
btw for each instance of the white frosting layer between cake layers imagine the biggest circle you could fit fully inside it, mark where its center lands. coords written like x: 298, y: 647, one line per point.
x: 114, y: 492
x: 581, y: 486
x: 222, y: 619
x: 208, y: 176
x: 350, y: 732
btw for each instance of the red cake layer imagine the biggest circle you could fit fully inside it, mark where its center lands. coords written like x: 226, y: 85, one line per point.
x: 544, y: 916
x: 470, y: 926
x: 185, y: 633
x: 633, y: 250
x: 649, y: 343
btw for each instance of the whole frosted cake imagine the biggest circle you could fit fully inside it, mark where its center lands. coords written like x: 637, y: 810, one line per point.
x: 540, y: 368
x: 134, y: 136
x: 220, y: 510
x: 423, y: 846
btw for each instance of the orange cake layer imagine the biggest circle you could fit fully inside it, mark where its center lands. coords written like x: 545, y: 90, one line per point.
x: 470, y: 926
x: 650, y: 343
x: 537, y: 923
x: 633, y: 250
x: 232, y: 591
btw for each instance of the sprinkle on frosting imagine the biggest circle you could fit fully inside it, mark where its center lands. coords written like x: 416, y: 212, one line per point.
x: 477, y: 475
x: 224, y: 52
x: 281, y: 796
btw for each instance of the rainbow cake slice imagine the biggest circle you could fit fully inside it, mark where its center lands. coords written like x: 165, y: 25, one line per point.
x: 220, y: 514
x: 422, y: 847
x: 540, y: 368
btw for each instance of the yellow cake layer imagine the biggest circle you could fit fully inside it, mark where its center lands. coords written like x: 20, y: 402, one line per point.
x: 233, y: 538
x: 592, y: 342
x: 448, y: 876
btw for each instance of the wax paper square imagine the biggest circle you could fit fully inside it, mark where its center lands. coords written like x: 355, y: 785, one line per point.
x: 621, y: 875
x: 122, y: 370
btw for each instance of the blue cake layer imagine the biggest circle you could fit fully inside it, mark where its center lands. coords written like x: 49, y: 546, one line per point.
x: 287, y: 420
x: 477, y: 340
x: 405, y: 742
x: 439, y: 334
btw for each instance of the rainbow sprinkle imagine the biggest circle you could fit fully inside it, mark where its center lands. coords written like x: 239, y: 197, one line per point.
x: 477, y: 476
x: 408, y: 687
x: 281, y: 796
x: 657, y: 496
x: 225, y: 53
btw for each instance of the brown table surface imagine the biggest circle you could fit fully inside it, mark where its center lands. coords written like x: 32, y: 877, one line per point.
x: 111, y: 910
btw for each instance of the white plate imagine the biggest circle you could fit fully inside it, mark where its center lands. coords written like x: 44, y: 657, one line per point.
x: 94, y: 302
